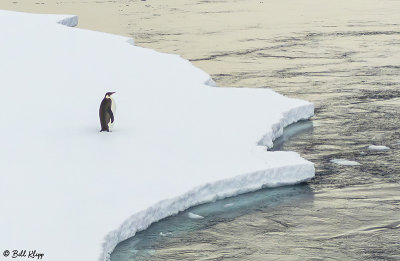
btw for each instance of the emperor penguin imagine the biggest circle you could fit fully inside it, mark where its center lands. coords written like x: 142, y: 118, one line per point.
x: 106, y: 112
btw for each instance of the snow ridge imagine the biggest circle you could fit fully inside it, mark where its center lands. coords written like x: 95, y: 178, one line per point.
x: 209, y: 192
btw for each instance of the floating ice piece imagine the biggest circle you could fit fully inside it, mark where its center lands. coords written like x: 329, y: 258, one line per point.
x: 194, y: 216
x: 375, y: 147
x: 228, y: 205
x: 345, y: 162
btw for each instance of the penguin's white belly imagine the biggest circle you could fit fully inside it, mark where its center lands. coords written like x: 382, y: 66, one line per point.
x: 113, y: 109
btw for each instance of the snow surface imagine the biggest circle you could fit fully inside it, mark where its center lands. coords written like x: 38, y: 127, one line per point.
x: 378, y: 147
x: 345, y: 162
x: 67, y: 188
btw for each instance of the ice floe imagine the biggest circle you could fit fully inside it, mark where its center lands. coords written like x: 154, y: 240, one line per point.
x: 71, y: 192
x: 376, y: 147
x: 345, y: 162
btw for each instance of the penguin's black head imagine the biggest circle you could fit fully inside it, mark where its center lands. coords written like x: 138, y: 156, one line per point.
x: 108, y: 94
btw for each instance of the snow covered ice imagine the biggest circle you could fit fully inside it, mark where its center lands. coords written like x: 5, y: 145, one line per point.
x: 74, y: 193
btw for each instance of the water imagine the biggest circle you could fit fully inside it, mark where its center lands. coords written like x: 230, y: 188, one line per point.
x: 290, y: 223
x: 185, y: 229
x: 344, y: 57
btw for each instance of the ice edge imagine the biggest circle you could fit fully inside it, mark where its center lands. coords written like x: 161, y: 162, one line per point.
x: 208, y: 192
x: 291, y: 116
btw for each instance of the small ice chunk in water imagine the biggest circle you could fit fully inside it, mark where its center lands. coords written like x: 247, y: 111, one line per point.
x: 194, y: 216
x: 165, y: 234
x: 375, y: 147
x: 345, y: 162
x: 228, y: 205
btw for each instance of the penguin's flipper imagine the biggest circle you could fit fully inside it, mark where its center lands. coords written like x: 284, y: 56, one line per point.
x: 111, y: 114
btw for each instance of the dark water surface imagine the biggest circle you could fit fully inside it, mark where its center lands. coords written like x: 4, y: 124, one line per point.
x: 345, y: 58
